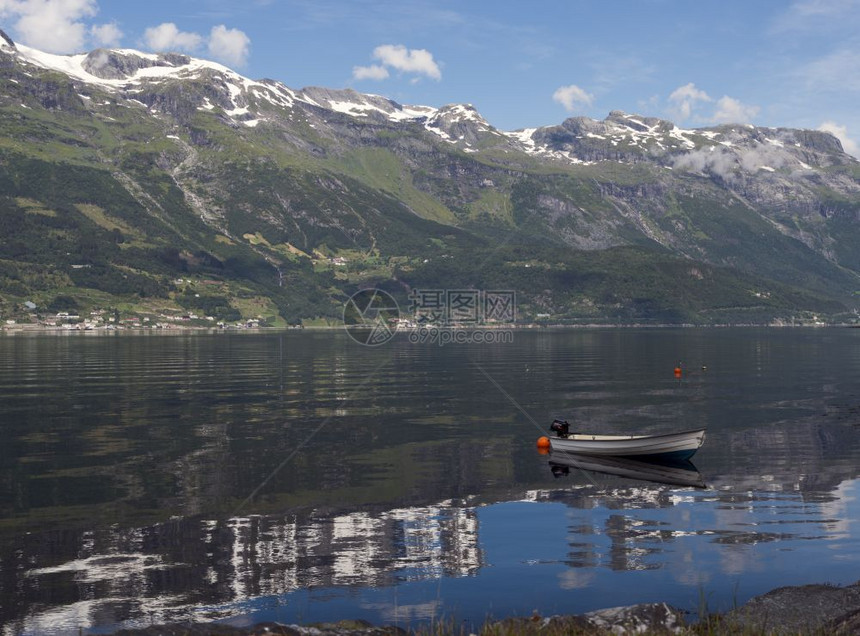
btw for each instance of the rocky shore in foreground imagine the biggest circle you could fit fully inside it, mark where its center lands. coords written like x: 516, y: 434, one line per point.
x: 803, y: 610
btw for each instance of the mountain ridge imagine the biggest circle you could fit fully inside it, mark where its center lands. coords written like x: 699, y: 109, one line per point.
x: 120, y: 68
x: 208, y: 153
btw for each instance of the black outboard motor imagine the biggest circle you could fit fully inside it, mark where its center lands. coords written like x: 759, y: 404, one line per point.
x: 560, y: 427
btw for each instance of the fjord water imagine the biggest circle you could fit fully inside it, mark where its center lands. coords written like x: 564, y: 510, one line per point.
x: 299, y: 476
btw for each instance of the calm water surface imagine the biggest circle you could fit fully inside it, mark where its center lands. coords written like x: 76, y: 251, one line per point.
x: 302, y: 477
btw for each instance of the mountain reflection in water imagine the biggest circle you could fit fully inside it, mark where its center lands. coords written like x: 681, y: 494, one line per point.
x: 128, y: 462
x: 164, y: 571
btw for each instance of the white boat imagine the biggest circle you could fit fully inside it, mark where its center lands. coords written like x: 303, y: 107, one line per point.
x: 682, y: 445
x: 674, y: 472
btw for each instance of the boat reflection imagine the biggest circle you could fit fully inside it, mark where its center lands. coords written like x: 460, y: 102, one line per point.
x: 675, y: 473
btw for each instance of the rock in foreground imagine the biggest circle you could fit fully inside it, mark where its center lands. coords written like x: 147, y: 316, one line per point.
x: 805, y: 609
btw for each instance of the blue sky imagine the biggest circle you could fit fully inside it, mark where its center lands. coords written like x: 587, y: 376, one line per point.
x: 794, y: 64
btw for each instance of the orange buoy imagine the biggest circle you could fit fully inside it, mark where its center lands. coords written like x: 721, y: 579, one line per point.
x: 543, y: 443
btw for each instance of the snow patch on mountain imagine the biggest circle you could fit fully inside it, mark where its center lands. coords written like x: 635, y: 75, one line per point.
x: 127, y: 70
x: 524, y: 139
x: 362, y: 105
x: 621, y: 137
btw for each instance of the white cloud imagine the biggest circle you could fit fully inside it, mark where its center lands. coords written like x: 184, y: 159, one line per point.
x: 406, y: 60
x: 841, y: 133
x: 50, y: 25
x: 721, y: 162
x: 61, y: 26
x: 107, y: 35
x: 230, y: 46
x: 372, y: 72
x: 731, y: 111
x: 399, y: 58
x: 684, y: 100
x: 167, y: 37
x: 753, y: 159
x: 572, y: 97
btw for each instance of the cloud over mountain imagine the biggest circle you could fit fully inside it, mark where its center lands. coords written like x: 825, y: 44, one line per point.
x: 230, y: 46
x: 685, y: 98
x: 56, y: 26
x: 106, y: 35
x: 398, y: 57
x: 572, y: 97
x: 841, y: 133
x: 167, y: 37
x: 732, y: 111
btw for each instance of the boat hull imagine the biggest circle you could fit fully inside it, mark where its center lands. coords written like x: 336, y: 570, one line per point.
x: 670, y: 446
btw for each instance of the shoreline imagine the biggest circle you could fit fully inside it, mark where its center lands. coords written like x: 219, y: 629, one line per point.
x: 799, y: 610
x: 104, y: 330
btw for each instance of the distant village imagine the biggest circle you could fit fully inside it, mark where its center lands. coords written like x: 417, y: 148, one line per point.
x: 69, y: 316
x: 102, y: 319
x: 33, y: 318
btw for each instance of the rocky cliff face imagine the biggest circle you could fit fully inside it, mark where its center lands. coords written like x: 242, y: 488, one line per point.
x: 119, y: 65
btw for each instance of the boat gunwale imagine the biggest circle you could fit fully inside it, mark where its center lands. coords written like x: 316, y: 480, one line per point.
x: 682, y: 444
x: 587, y: 437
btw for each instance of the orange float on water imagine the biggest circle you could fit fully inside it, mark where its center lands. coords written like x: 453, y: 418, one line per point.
x: 543, y: 443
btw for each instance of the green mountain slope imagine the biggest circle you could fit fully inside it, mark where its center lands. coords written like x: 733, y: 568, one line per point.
x: 164, y: 186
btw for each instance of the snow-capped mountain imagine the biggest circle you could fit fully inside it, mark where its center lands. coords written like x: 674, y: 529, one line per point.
x: 289, y: 173
x: 128, y: 72
x: 620, y: 137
